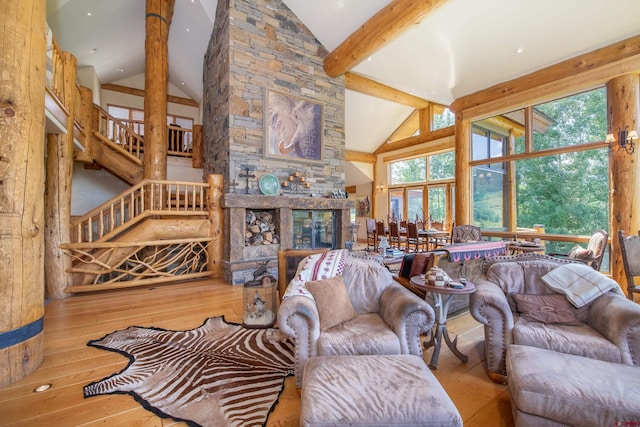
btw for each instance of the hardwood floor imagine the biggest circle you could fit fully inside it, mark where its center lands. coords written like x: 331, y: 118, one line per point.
x: 69, y: 363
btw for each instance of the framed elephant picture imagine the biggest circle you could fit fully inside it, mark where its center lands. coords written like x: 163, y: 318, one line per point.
x: 294, y: 128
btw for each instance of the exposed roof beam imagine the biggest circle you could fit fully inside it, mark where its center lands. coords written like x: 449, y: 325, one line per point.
x: 359, y: 156
x: 140, y: 92
x: 616, y: 59
x: 415, y: 140
x: 383, y: 27
x: 359, y: 83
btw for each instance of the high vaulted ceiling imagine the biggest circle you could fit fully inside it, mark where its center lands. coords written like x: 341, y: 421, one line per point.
x: 461, y: 47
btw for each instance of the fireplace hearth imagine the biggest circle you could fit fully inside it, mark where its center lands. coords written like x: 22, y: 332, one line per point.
x: 244, y: 251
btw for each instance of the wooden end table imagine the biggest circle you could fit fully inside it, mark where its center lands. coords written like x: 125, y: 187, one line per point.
x: 442, y: 297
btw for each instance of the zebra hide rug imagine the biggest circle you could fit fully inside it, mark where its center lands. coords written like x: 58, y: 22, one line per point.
x: 219, y: 374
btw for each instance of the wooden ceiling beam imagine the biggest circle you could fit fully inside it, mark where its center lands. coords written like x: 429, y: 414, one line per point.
x: 380, y: 29
x: 571, y: 74
x: 140, y: 92
x: 415, y: 140
x: 362, y: 84
x: 359, y: 156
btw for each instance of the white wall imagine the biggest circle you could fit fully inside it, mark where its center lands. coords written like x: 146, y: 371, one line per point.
x: 133, y: 101
x: 91, y: 188
x: 87, y: 77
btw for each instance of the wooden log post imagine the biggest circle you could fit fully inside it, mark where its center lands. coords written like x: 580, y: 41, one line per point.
x: 85, y: 121
x: 216, y: 217
x: 464, y: 197
x: 22, y: 67
x: 59, y: 169
x: 198, y: 147
x: 158, y: 21
x: 623, y: 105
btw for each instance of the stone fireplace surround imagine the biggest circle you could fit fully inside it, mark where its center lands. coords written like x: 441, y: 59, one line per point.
x: 240, y: 261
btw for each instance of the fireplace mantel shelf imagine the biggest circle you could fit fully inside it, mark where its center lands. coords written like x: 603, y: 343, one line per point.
x: 274, y: 202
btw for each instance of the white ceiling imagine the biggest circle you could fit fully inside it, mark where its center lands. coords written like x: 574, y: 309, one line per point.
x: 460, y: 48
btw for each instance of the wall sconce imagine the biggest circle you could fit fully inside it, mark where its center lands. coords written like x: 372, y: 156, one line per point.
x: 380, y: 187
x: 626, y: 140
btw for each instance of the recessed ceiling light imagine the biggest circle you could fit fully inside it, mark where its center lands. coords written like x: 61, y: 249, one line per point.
x: 519, y: 50
x: 181, y: 83
x: 122, y: 70
x: 187, y: 30
x: 369, y: 59
x: 88, y: 13
x: 41, y: 388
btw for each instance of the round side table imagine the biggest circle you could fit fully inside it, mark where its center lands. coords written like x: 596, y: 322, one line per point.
x: 442, y: 297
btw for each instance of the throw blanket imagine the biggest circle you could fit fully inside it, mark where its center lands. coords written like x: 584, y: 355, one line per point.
x: 316, y: 267
x: 474, y: 250
x: 580, y: 283
x: 219, y: 374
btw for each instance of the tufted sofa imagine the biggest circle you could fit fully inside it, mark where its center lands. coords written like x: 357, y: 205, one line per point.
x: 608, y: 328
x: 389, y: 318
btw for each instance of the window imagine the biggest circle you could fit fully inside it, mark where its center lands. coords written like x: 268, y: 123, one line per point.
x: 572, y: 120
x: 442, y: 166
x: 406, y: 200
x: 396, y: 203
x: 414, y: 203
x: 437, y: 203
x: 443, y: 119
x: 566, y: 189
x: 408, y: 171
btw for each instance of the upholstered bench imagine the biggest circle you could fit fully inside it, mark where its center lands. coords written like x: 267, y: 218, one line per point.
x: 373, y: 391
x: 552, y: 388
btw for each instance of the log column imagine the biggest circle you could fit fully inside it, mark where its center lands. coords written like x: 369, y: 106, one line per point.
x: 58, y: 191
x: 22, y: 67
x: 464, y: 197
x: 198, y: 147
x: 623, y: 104
x: 158, y: 21
x: 216, y: 218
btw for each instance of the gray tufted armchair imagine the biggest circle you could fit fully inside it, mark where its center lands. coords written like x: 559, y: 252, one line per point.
x: 389, y: 319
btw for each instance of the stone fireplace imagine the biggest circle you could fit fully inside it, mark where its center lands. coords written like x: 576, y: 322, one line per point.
x: 257, y: 48
x: 241, y: 260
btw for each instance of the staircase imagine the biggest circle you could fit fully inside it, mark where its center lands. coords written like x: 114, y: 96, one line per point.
x: 116, y: 147
x: 155, y: 231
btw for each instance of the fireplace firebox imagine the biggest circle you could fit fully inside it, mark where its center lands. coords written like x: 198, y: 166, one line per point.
x: 298, y: 222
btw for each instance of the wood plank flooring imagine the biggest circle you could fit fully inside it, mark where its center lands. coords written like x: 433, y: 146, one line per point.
x: 69, y: 364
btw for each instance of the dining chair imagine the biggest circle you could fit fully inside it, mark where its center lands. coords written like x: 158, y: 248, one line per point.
x: 630, y: 250
x: 466, y: 233
x: 372, y: 238
x: 395, y: 239
x: 381, y: 230
x: 415, y: 243
x: 591, y: 255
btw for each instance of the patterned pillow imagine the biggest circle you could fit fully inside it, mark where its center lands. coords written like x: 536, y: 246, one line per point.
x: 334, y: 306
x: 419, y: 264
x: 550, y: 308
x: 319, y: 266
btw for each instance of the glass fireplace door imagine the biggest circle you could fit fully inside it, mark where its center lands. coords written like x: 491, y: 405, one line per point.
x: 313, y: 229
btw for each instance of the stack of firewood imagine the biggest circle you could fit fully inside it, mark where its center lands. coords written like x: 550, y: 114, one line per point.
x: 260, y: 229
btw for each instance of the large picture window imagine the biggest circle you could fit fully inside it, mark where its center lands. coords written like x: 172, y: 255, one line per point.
x: 559, y: 179
x: 435, y: 174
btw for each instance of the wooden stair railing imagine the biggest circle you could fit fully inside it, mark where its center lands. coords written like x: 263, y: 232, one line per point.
x: 149, y: 197
x: 117, y: 135
x: 179, y: 139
